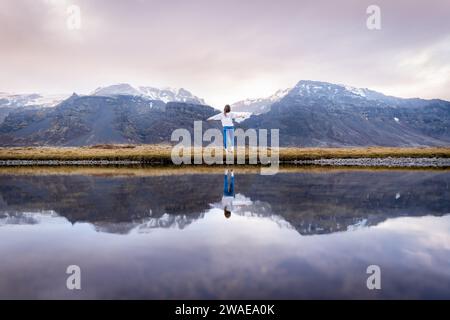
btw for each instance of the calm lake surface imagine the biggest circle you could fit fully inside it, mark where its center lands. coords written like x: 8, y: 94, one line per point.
x: 163, y: 234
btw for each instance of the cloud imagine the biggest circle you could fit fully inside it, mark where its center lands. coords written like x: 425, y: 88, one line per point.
x: 225, y: 50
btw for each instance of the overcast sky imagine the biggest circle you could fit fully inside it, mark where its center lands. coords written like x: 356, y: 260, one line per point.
x: 227, y: 50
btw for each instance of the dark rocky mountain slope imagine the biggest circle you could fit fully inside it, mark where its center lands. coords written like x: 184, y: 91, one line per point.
x: 311, y: 114
x: 323, y: 114
x: 90, y: 120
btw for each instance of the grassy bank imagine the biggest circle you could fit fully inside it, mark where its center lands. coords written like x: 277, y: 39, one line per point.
x: 146, y: 171
x: 162, y: 153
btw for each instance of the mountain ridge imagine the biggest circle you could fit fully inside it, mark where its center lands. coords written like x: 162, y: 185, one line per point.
x: 311, y: 114
x: 322, y: 114
x: 165, y: 94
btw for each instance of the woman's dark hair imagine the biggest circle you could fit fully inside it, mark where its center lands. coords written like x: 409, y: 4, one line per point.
x: 227, y: 109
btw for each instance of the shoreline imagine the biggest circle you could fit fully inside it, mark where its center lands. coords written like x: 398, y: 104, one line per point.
x: 380, y: 162
x: 388, y: 162
x: 144, y: 171
x: 154, y: 155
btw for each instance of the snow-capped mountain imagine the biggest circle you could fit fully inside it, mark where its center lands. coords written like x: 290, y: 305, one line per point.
x: 16, y: 102
x: 317, y: 113
x: 171, y: 95
x: 90, y: 120
x: 30, y: 100
x: 311, y: 89
x: 116, y: 89
x: 312, y: 113
x: 259, y: 105
x: 318, y: 89
x: 164, y: 94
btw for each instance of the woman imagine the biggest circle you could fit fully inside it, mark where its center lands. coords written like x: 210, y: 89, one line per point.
x: 228, y: 127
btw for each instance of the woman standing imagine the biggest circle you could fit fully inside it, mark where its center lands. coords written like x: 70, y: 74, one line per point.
x: 226, y: 117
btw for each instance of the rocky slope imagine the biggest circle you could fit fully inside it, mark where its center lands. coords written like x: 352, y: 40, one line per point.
x: 324, y: 114
x: 90, y: 120
x: 312, y: 114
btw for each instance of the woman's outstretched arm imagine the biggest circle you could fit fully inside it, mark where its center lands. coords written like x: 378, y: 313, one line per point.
x: 240, y: 114
x: 215, y: 117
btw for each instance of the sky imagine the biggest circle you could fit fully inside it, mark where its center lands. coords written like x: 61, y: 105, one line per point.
x: 225, y: 51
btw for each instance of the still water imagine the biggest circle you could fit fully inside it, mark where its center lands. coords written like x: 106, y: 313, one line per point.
x: 157, y: 233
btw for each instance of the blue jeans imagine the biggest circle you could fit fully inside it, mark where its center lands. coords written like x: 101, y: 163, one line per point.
x: 228, y: 135
x: 228, y: 191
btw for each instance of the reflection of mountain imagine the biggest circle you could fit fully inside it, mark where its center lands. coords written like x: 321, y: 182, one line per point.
x: 28, y: 218
x: 105, y: 201
x: 178, y: 221
x: 313, y: 203
x: 316, y: 203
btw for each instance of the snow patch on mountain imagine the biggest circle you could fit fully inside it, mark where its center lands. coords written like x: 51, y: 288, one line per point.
x: 357, y: 91
x: 166, y: 94
x: 30, y: 100
x: 317, y: 89
x: 259, y: 105
x: 310, y: 89
x: 307, y: 88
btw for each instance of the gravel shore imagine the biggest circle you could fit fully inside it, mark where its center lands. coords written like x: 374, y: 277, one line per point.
x: 379, y: 162
x: 66, y: 162
x: 354, y: 162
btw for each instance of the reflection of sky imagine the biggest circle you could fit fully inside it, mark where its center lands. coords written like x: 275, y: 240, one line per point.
x: 241, y: 257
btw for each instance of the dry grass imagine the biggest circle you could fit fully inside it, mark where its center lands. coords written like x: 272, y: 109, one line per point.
x: 145, y: 171
x: 150, y: 153
x: 289, y: 154
x: 162, y: 153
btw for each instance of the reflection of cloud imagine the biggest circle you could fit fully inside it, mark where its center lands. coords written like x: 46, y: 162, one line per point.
x: 420, y: 229
x: 246, y: 257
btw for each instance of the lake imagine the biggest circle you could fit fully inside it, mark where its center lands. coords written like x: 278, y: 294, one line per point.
x: 200, y: 234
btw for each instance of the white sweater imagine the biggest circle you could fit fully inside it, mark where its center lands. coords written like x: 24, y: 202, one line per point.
x: 227, y: 119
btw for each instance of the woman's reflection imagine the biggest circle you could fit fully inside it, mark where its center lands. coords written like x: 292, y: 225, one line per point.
x: 228, y: 193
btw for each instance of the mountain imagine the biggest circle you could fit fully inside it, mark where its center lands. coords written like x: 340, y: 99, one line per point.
x: 164, y: 94
x: 12, y: 102
x: 259, y: 105
x: 30, y: 100
x: 17, y: 102
x: 317, y: 113
x: 313, y: 114
x: 89, y: 120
